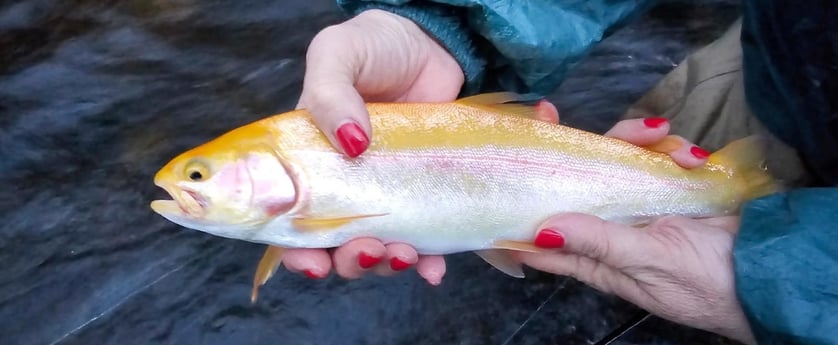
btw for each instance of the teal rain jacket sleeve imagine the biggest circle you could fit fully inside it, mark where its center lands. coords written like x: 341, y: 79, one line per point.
x: 786, y: 267
x: 525, y: 47
x: 786, y: 253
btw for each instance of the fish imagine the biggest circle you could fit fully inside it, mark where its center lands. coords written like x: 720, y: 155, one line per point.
x: 477, y: 174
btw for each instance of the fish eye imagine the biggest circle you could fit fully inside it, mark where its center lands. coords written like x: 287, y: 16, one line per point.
x: 196, y: 171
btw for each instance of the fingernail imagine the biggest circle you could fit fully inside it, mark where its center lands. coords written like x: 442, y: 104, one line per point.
x: 312, y: 275
x: 654, y: 122
x: 548, y: 238
x: 352, y: 139
x: 398, y: 265
x: 699, y: 152
x: 366, y: 261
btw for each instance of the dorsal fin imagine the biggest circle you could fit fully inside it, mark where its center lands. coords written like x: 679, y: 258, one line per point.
x: 500, y: 102
x: 494, y: 98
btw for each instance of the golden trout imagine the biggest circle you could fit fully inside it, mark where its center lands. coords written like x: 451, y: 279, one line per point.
x: 478, y: 174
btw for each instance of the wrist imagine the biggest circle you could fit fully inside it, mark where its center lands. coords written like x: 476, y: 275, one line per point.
x: 735, y: 326
x: 741, y: 333
x: 446, y: 30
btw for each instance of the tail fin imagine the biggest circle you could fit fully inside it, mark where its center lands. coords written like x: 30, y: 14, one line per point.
x: 746, y: 156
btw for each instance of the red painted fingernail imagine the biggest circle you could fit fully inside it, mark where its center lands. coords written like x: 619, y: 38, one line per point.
x: 311, y: 274
x: 398, y: 265
x: 366, y: 261
x: 353, y: 139
x: 549, y: 239
x: 699, y: 152
x: 654, y: 122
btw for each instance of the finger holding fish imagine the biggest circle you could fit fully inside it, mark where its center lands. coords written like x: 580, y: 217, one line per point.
x: 313, y: 263
x: 653, y: 134
x: 682, y: 151
x: 399, y: 257
x: 358, y: 257
x: 641, y: 132
x: 546, y: 111
x: 431, y: 268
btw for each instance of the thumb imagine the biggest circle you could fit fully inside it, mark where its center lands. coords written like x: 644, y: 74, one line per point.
x: 336, y: 107
x: 616, y: 245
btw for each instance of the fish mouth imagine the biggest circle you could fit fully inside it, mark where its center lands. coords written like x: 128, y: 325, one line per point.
x: 184, y: 202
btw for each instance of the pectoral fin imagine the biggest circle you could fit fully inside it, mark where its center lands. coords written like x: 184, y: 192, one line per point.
x: 267, y: 266
x: 320, y: 224
x: 501, y: 260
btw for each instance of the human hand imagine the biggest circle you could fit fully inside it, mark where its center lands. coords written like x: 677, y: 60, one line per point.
x: 375, y: 56
x: 678, y: 268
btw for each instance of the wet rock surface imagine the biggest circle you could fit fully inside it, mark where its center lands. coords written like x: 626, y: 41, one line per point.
x: 96, y: 95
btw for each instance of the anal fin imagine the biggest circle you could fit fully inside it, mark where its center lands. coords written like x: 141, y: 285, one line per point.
x: 267, y: 266
x: 501, y: 260
x: 518, y: 246
x: 499, y: 256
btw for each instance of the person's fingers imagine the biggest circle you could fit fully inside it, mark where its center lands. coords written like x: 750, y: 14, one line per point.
x: 357, y: 257
x: 313, y: 263
x: 329, y: 92
x: 651, y: 133
x: 616, y: 245
x: 399, y: 257
x: 431, y: 268
x: 547, y: 112
x: 640, y: 132
x: 728, y: 223
x: 683, y: 152
x: 585, y: 269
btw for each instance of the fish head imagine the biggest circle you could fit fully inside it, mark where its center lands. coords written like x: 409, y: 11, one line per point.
x: 228, y: 187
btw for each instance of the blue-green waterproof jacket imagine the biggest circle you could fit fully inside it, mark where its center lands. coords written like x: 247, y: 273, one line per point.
x: 786, y: 253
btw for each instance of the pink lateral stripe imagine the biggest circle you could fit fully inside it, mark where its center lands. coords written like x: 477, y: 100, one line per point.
x: 504, y: 162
